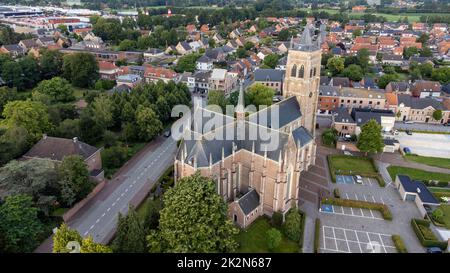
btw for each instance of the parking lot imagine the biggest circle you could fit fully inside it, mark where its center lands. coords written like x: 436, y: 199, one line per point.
x: 344, y: 240
x: 349, y: 179
x: 435, y: 145
x: 354, y: 212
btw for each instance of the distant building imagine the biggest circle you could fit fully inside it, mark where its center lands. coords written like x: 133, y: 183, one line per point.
x: 272, y: 78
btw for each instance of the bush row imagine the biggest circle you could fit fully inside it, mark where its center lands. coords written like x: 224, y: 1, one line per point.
x: 399, y: 244
x: 425, y: 234
x: 383, y: 209
x: 317, y: 236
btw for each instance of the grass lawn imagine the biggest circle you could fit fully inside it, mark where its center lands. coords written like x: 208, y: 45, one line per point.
x: 446, y: 218
x: 253, y: 240
x: 431, y: 161
x: 79, y: 92
x: 352, y: 163
x: 417, y: 174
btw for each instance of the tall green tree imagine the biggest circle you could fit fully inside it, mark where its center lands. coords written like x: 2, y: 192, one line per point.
x: 370, y: 140
x: 74, y: 179
x: 335, y: 65
x: 51, y: 62
x: 441, y: 74
x: 354, y: 72
x: 292, y: 225
x: 271, y: 60
x: 187, y: 63
x: 148, y: 123
x: 260, y: 95
x: 31, y: 115
x: 19, y: 224
x: 81, y: 69
x: 14, y: 142
x: 217, y: 97
x: 193, y: 219
x: 7, y: 94
x: 12, y: 75
x: 30, y: 71
x: 130, y: 234
x: 437, y: 115
x: 363, y: 59
x: 54, y: 90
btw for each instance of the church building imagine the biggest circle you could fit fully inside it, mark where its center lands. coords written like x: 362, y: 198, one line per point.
x: 257, y: 158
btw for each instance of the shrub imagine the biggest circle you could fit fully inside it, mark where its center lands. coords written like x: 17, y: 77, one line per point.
x: 437, y: 215
x: 317, y: 236
x: 292, y: 225
x: 399, y: 245
x: 383, y: 209
x: 425, y: 234
x: 336, y: 193
x: 273, y: 238
x: 114, y: 157
x: 277, y: 219
x: 329, y: 137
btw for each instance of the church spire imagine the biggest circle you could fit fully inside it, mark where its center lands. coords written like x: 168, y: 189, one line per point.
x: 306, y: 39
x: 240, y: 108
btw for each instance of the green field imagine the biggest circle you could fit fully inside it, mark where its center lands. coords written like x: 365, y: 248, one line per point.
x: 341, y: 163
x: 253, y: 239
x: 431, y: 161
x: 417, y: 174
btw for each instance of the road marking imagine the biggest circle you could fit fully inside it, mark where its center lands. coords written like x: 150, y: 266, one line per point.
x: 118, y: 198
x: 86, y: 233
x: 113, y: 204
x: 126, y: 190
x: 131, y: 185
x: 91, y: 227
x: 103, y: 215
x: 98, y: 220
x: 108, y: 209
x: 122, y: 194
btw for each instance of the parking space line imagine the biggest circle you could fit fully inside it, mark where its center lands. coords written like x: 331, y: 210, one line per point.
x: 382, y: 201
x: 334, y: 235
x: 382, y: 243
x: 323, y: 234
x: 357, y: 238
x: 345, y: 236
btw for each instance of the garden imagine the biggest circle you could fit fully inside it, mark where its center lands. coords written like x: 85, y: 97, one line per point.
x: 416, y: 174
x: 430, y: 161
x: 267, y: 235
x: 353, y: 165
x: 425, y: 235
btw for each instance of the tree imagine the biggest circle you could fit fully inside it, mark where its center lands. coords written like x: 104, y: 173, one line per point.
x: 241, y: 53
x: 284, y: 35
x: 63, y: 236
x: 363, y: 59
x: 55, y: 90
x: 68, y: 128
x: 437, y: 215
x: 14, y: 142
x: 353, y: 72
x: 30, y: 115
x: 271, y: 60
x: 193, y: 219
x: 148, y: 123
x: 81, y: 69
x: 410, y: 51
x: 437, y: 114
x: 6, y: 95
x: 114, y: 157
x: 335, y: 65
x: 126, y: 45
x: 74, y: 179
x: 130, y: 235
x: 274, y: 237
x: 441, y: 74
x: 292, y: 225
x: 217, y: 97
x: 30, y: 71
x: 426, y: 52
x: 51, y: 62
x: 423, y: 38
x: 371, y: 140
x: 260, y: 95
x: 187, y: 63
x: 102, y: 109
x: 19, y: 224
x: 12, y: 74
x: 356, y: 33
x: 386, y: 79
x: 89, y: 246
x: 90, y: 131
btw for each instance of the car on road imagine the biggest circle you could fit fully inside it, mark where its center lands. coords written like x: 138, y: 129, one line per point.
x: 348, y: 153
x: 408, y: 122
x: 358, y: 179
x: 408, y: 132
x: 434, y: 250
x: 407, y: 150
x: 167, y: 133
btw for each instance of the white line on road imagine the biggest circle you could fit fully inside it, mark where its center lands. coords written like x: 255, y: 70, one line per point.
x: 126, y: 190
x: 113, y: 204
x: 108, y: 209
x: 86, y: 233
x: 103, y: 215
x: 91, y: 227
x: 98, y: 220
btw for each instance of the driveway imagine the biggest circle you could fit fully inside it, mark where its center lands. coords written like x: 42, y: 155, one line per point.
x: 422, y: 127
x: 435, y: 145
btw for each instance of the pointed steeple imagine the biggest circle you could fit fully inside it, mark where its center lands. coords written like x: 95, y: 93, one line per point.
x: 240, y: 107
x: 306, y: 39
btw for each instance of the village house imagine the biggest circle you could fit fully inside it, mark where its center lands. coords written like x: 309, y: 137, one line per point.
x: 421, y: 109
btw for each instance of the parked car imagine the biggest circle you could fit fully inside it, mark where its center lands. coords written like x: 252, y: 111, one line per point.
x: 407, y: 150
x: 358, y: 179
x: 434, y: 250
x: 447, y: 124
x: 348, y: 153
x: 408, y: 132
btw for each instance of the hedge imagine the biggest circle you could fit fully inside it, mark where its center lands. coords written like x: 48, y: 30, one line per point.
x: 422, y: 229
x: 399, y: 244
x: 317, y: 236
x: 383, y: 209
x: 302, y: 229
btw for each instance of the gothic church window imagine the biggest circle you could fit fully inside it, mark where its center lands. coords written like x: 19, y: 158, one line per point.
x: 294, y: 70
x: 301, y: 72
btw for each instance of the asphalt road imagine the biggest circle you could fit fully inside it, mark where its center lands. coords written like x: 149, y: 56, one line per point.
x: 100, y: 218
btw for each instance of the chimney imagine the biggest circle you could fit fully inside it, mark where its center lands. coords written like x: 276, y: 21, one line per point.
x: 44, y: 136
x: 75, y: 139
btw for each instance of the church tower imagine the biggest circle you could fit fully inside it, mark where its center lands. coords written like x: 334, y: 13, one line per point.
x: 302, y: 77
